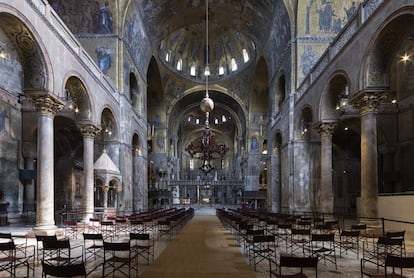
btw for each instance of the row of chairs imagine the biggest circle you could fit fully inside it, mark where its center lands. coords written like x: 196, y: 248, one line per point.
x: 383, y: 251
x: 260, y: 248
x: 162, y: 222
x: 13, y: 256
x: 117, y: 255
x: 118, y: 260
x: 315, y: 238
x: 58, y: 258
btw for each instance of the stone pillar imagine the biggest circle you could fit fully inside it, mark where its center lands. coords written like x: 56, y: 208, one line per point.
x: 239, y: 156
x: 140, y: 181
x: 47, y: 107
x: 88, y: 132
x: 274, y: 178
x: 175, y: 142
x: 326, y: 199
x: 29, y: 187
x: 239, y: 145
x: 367, y: 104
x: 105, y: 190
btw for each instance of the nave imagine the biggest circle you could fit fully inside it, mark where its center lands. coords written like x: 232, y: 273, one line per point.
x: 210, y: 244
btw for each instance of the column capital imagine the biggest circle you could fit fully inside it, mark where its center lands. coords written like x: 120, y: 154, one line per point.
x: 326, y: 128
x: 46, y: 104
x: 368, y: 102
x: 89, y: 130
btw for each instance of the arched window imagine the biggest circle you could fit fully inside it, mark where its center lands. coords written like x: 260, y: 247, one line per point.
x: 180, y: 65
x: 246, y: 57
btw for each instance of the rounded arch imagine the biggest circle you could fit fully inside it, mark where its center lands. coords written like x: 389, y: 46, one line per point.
x: 280, y: 93
x: 277, y: 142
x: 334, y: 98
x: 220, y: 99
x: 156, y: 109
x: 225, y: 132
x: 379, y: 53
x: 68, y: 161
x: 109, y: 125
x: 135, y: 95
x: 137, y: 145
x: 304, y: 123
x: 33, y: 54
x: 78, y: 98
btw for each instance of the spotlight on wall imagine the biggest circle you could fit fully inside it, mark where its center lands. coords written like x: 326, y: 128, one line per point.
x: 70, y: 102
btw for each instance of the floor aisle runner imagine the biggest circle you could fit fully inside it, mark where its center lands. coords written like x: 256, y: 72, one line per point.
x: 203, y: 248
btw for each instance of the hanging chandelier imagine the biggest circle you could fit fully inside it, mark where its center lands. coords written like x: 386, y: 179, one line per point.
x: 206, y: 146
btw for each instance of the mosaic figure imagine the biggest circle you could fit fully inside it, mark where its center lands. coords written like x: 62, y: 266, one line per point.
x: 105, y: 19
x: 104, y: 55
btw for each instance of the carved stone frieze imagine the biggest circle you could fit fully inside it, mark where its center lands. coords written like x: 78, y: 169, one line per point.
x: 326, y: 129
x: 371, y: 6
x: 46, y: 105
x: 89, y: 130
x: 368, y: 102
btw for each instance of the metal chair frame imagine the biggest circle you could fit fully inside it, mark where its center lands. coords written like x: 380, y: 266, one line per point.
x: 118, y: 255
x: 297, y: 263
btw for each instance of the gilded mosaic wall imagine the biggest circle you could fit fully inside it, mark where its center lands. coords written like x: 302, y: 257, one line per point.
x: 11, y: 71
x: 86, y: 16
x: 319, y: 21
x: 94, y: 23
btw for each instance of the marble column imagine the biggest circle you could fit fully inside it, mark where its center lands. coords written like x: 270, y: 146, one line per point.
x: 105, y: 190
x: 46, y: 107
x: 88, y: 132
x: 326, y: 193
x: 367, y: 104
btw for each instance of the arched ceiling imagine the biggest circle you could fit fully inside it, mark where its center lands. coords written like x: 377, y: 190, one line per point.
x: 178, y: 28
x: 35, y: 73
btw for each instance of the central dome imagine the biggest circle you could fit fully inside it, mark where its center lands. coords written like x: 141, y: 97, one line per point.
x: 185, y: 52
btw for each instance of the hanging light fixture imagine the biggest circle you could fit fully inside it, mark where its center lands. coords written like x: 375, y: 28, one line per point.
x: 207, y: 104
x: 206, y: 146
